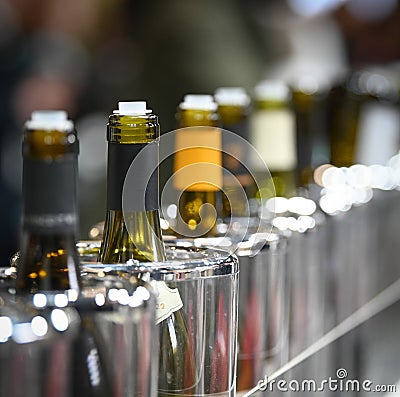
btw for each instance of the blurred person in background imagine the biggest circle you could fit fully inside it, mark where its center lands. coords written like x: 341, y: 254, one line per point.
x: 76, y: 56
x: 43, y: 66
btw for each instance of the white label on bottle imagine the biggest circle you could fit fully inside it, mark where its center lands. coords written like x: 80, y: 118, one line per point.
x: 168, y: 301
x: 378, y: 134
x: 274, y: 137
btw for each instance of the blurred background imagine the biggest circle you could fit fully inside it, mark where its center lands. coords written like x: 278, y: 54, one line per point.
x: 85, y: 56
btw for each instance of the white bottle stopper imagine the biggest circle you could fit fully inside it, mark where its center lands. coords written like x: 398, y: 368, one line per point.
x: 132, y: 108
x: 274, y: 90
x: 199, y: 102
x: 49, y: 120
x: 231, y: 96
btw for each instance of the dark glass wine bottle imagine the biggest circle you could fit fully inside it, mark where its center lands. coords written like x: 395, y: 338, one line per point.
x: 233, y: 109
x: 48, y: 257
x: 344, y: 104
x: 309, y: 98
x: 273, y: 134
x: 198, y: 166
x: 132, y: 231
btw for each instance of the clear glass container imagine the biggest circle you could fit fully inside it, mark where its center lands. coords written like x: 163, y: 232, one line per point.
x: 101, y: 343
x: 207, y: 281
x: 309, y: 308
x: 263, y: 297
x: 263, y: 307
x: 36, y: 345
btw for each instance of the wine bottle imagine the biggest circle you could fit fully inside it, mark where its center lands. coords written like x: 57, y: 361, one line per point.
x: 198, y: 175
x: 48, y: 257
x: 233, y: 109
x: 309, y: 103
x: 132, y: 231
x: 198, y: 166
x: 344, y: 104
x: 273, y: 134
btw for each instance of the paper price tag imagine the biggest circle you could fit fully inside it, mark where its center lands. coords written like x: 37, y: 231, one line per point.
x: 168, y: 301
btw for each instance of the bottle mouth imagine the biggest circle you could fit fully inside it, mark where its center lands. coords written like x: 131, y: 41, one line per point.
x: 132, y: 108
x: 49, y: 120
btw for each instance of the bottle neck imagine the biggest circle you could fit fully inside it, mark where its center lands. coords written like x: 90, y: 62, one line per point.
x: 49, y: 260
x: 233, y: 117
x: 235, y: 157
x: 132, y: 177
x: 197, y: 117
x: 198, y: 173
x: 271, y: 104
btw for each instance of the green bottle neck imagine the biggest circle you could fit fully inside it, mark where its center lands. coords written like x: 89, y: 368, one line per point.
x: 197, y: 117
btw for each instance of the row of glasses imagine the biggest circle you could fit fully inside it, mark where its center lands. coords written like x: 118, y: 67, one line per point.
x: 263, y: 316
x: 110, y: 331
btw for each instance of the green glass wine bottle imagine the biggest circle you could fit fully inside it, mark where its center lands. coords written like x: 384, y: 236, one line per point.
x: 198, y: 166
x: 273, y: 134
x: 48, y: 256
x: 344, y: 105
x: 132, y: 231
x: 309, y: 99
x: 233, y: 109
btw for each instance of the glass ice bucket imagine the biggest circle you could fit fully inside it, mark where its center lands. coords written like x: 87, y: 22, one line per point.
x: 100, y: 343
x: 198, y: 289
